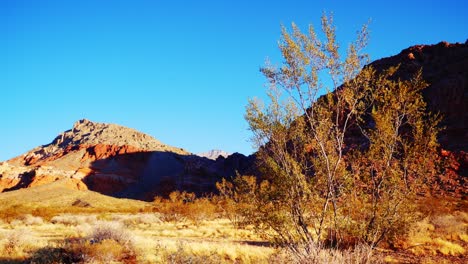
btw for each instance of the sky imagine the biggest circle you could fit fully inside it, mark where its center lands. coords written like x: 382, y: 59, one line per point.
x: 181, y: 71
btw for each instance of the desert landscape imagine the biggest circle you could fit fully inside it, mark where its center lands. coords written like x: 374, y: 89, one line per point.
x: 353, y: 160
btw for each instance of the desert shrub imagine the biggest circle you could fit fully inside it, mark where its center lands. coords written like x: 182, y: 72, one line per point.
x: 172, y: 209
x: 31, y: 220
x: 137, y: 219
x: 16, y: 223
x: 317, y: 254
x: 201, y: 209
x: 73, y: 220
x: 451, y: 226
x: 17, y: 211
x: 82, y: 230
x: 13, y: 212
x: 16, y: 243
x: 107, y: 251
x: 448, y: 248
x: 236, y: 202
x: 343, y: 150
x: 183, y: 255
x: 25, y: 219
x: 146, y: 219
x: 104, y: 230
x: 107, y: 242
x: 183, y: 206
x: 81, y: 250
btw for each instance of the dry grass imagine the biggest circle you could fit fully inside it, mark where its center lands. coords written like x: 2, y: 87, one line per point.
x: 145, y: 238
x: 18, y: 243
x: 139, y: 238
x: 361, y: 254
x: 49, y: 200
x: 174, y: 231
x: 73, y: 220
x: 442, y: 234
x: 215, y: 251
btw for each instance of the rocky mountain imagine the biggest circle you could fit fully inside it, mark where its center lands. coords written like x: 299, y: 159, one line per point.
x: 85, y: 134
x: 116, y: 161
x: 214, y: 154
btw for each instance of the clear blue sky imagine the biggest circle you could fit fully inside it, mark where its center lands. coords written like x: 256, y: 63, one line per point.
x: 181, y: 71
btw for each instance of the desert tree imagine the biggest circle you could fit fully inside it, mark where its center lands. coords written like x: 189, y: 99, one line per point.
x: 338, y: 150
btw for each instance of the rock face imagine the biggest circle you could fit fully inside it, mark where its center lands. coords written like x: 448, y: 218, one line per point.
x: 116, y: 161
x: 214, y: 154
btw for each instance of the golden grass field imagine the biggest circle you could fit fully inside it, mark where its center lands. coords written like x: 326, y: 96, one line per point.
x: 52, y: 224
x: 152, y: 240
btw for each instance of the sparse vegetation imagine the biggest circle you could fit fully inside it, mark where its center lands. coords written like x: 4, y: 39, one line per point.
x: 147, y: 238
x: 186, y: 206
x: 123, y: 238
x: 16, y: 243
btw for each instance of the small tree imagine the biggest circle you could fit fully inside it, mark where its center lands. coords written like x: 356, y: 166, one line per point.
x: 339, y: 165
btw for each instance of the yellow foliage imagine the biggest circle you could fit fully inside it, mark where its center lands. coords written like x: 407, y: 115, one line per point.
x: 448, y: 248
x: 464, y: 237
x: 439, y: 235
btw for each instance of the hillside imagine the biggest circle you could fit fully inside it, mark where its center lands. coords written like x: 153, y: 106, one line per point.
x: 62, y: 195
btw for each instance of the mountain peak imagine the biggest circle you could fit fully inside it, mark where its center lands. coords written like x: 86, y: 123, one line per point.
x: 214, y: 154
x: 82, y: 122
x: 86, y: 132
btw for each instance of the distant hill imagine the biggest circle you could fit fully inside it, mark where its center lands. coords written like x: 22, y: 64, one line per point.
x: 214, y: 154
